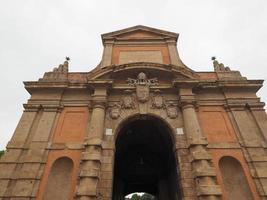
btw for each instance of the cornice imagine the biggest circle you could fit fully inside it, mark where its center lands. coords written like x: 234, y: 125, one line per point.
x: 182, y: 70
x: 32, y: 86
x: 99, y: 83
x: 252, y: 85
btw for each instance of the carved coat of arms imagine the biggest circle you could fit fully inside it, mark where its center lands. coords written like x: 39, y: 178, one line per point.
x: 115, y: 111
x: 142, y: 93
x: 157, y: 100
x: 172, y: 111
x: 142, y: 84
x: 128, y: 100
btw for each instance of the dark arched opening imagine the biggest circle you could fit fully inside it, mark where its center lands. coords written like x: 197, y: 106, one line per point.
x: 145, y: 160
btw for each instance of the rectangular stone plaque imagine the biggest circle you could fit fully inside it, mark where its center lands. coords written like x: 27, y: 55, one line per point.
x: 179, y: 131
x: 109, y: 131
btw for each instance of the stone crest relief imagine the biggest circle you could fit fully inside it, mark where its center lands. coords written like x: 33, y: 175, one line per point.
x: 158, y: 100
x: 114, y: 110
x: 171, y: 109
x: 128, y: 101
x: 142, y: 84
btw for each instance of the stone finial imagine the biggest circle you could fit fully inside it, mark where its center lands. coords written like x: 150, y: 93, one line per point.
x: 59, y: 73
x: 219, y: 67
x: 63, y: 68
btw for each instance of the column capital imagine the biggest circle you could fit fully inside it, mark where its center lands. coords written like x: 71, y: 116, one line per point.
x: 185, y: 105
x: 99, y: 101
x: 187, y: 101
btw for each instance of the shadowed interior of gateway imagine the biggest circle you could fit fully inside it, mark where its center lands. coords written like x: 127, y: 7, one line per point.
x: 145, y: 160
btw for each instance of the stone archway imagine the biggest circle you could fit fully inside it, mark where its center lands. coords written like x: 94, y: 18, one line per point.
x: 145, y: 160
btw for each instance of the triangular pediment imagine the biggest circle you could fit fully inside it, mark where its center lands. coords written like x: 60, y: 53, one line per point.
x: 140, y: 32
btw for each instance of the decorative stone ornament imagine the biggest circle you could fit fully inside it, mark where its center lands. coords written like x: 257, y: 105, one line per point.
x: 128, y: 100
x: 142, y: 93
x: 157, y: 100
x: 142, y: 80
x: 142, y: 84
x: 172, y: 110
x: 114, y: 111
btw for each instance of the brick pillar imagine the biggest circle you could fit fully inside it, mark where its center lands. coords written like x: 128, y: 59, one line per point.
x: 203, y: 173
x: 91, y: 158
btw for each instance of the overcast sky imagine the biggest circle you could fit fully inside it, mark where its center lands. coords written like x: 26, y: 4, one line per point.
x: 36, y: 35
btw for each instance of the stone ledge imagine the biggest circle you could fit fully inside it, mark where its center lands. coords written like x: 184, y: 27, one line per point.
x: 204, y: 190
x: 224, y: 145
x: 94, y: 173
x: 62, y: 146
x: 90, y: 156
x: 204, y: 172
x: 200, y: 155
x: 197, y: 141
x: 93, y: 142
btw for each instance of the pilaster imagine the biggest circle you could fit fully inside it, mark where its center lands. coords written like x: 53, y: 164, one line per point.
x: 203, y: 172
x: 28, y: 164
x: 91, y: 158
x: 252, y: 139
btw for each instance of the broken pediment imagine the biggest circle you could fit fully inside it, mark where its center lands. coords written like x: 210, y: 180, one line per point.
x: 131, y: 70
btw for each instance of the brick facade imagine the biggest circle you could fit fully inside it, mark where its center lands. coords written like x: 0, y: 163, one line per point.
x: 138, y: 122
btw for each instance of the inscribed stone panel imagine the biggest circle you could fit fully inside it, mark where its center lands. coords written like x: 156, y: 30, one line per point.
x: 140, y: 56
x: 163, y: 49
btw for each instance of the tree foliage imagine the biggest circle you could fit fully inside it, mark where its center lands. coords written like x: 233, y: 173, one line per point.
x: 2, y: 153
x: 144, y: 196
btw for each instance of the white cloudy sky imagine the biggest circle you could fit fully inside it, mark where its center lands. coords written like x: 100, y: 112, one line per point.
x: 36, y: 35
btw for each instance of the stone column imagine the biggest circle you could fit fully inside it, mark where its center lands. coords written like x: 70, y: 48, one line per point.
x: 91, y: 158
x: 204, y: 174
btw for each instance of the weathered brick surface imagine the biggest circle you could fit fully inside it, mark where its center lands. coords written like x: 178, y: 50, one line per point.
x: 206, y: 115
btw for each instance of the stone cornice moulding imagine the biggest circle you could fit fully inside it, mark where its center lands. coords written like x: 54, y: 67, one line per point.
x: 179, y: 70
x: 32, y: 86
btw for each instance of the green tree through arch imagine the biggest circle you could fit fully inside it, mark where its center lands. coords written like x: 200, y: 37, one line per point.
x: 144, y: 196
